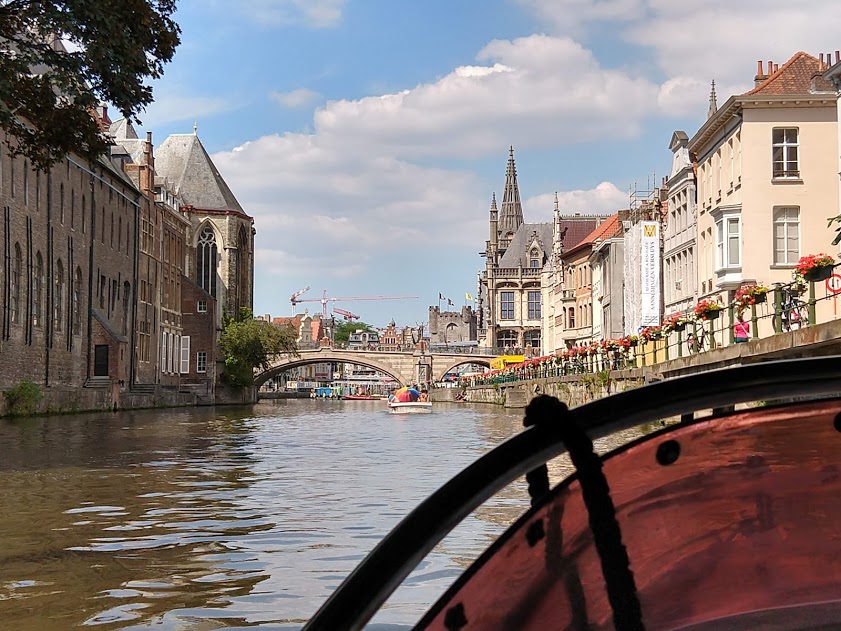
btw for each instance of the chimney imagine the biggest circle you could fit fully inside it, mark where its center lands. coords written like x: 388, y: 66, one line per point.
x: 776, y: 67
x: 149, y: 167
x: 837, y: 56
x: 822, y: 66
x: 760, y: 74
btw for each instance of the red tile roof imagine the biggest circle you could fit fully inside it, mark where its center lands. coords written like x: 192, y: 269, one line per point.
x: 794, y: 77
x: 577, y: 228
x: 609, y: 228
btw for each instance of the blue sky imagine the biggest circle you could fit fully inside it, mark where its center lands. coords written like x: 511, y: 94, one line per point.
x: 366, y: 136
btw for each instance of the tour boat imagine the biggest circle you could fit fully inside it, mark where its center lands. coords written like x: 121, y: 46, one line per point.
x: 410, y: 407
x: 728, y: 519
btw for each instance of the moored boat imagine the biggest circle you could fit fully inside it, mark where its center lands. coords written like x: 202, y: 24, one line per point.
x: 358, y: 397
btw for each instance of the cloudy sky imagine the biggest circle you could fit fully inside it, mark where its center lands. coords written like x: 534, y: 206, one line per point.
x: 367, y: 136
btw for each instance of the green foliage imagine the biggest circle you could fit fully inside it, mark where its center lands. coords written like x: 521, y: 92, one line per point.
x: 247, y: 344
x: 118, y: 45
x: 832, y: 220
x: 22, y: 399
x: 342, y: 330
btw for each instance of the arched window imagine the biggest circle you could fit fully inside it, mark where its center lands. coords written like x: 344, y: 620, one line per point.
x: 38, y: 293
x: 242, y: 269
x: 572, y: 317
x: 77, y: 302
x: 61, y: 201
x: 206, y: 256
x: 126, y: 303
x: 17, y: 267
x: 58, y: 297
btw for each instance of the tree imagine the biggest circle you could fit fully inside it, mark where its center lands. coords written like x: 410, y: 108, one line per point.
x: 247, y: 344
x: 342, y: 330
x: 48, y: 91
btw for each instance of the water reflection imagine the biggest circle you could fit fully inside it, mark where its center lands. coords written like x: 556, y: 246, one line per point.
x: 207, y: 519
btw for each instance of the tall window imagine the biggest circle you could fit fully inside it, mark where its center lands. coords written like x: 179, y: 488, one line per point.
x: 786, y: 235
x: 729, y: 242
x: 571, y: 317
x: 126, y: 303
x: 17, y: 267
x: 786, y: 159
x: 59, y: 295
x: 506, y: 303
x: 61, y: 202
x: 201, y: 361
x: 206, y: 261
x: 38, y: 293
x: 242, y: 269
x: 534, y: 305
x: 77, y: 302
x: 534, y: 259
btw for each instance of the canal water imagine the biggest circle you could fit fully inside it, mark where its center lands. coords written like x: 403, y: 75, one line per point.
x: 234, y: 518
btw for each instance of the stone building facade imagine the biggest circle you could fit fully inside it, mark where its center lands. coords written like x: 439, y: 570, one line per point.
x: 510, y: 300
x: 448, y: 327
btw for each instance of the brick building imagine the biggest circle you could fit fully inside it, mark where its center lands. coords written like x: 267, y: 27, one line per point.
x: 66, y: 288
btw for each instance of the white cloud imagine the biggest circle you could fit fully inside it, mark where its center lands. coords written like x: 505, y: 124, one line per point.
x: 695, y: 42
x: 314, y: 13
x: 296, y: 98
x: 539, y: 90
x: 360, y: 186
x: 604, y: 199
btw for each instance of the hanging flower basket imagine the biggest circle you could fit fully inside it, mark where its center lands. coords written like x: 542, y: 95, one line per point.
x: 815, y: 267
x: 759, y: 298
x: 708, y: 309
x: 818, y: 273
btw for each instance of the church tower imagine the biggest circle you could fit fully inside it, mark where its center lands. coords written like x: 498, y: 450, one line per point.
x: 511, y: 212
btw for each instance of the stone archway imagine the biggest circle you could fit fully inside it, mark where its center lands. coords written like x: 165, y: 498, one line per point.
x: 319, y: 358
x: 439, y: 374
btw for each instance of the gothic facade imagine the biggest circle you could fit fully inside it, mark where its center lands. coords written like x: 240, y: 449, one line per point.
x: 510, y: 301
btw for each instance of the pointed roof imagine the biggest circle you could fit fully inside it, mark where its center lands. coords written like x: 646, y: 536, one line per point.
x: 511, y: 213
x: 713, y: 101
x: 794, y: 77
x: 183, y: 159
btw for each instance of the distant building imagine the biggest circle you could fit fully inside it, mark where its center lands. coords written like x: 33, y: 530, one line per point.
x: 448, y: 327
x: 361, y: 340
x: 680, y: 278
x: 510, y: 301
x: 607, y: 260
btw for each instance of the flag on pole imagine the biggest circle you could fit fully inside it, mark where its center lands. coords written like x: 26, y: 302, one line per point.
x: 440, y: 296
x: 468, y: 296
x: 450, y: 303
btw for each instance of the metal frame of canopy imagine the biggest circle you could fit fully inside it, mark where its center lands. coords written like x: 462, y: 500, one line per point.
x: 364, y: 591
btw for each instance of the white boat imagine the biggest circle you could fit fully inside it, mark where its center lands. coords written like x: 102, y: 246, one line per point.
x: 410, y: 407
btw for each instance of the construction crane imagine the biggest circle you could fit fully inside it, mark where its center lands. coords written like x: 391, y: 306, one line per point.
x: 347, y: 315
x: 295, y: 297
x: 325, y: 299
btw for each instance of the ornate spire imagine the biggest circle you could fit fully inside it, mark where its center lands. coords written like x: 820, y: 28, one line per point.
x: 713, y: 103
x: 511, y: 213
x: 493, y: 202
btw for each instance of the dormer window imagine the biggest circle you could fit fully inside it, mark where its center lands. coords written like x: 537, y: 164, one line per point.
x: 534, y: 259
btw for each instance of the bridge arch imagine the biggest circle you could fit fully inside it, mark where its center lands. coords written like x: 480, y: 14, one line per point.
x: 439, y: 374
x: 289, y: 362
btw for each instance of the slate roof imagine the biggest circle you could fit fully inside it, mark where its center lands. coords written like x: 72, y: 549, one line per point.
x: 516, y: 253
x: 125, y: 136
x: 183, y: 159
x: 795, y: 77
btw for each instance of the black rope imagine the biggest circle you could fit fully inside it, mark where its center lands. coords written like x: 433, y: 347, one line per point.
x: 616, y: 566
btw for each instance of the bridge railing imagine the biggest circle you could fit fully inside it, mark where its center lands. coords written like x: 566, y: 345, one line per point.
x: 454, y: 349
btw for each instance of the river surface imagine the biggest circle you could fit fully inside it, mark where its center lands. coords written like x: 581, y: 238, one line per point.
x: 229, y: 518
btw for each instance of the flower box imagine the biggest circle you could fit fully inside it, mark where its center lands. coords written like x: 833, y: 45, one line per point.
x: 815, y: 267
x: 818, y: 273
x: 759, y: 298
x: 680, y: 326
x: 712, y: 315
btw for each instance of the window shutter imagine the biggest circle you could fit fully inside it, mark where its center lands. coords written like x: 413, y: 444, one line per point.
x: 185, y: 354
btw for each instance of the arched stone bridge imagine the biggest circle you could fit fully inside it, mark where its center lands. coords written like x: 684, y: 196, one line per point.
x: 403, y: 366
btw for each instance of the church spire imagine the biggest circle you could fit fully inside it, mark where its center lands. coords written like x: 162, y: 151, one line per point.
x: 511, y: 213
x: 713, y: 102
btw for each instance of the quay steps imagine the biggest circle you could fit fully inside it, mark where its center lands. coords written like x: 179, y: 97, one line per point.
x: 98, y: 382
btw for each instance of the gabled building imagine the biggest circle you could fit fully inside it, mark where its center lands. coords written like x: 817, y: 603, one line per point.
x: 680, y: 269
x: 607, y: 260
x: 510, y: 301
x: 768, y: 163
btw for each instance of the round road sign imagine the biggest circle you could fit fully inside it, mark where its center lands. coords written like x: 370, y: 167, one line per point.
x: 833, y: 283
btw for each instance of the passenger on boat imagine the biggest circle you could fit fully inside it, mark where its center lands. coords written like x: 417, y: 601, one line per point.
x: 423, y: 397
